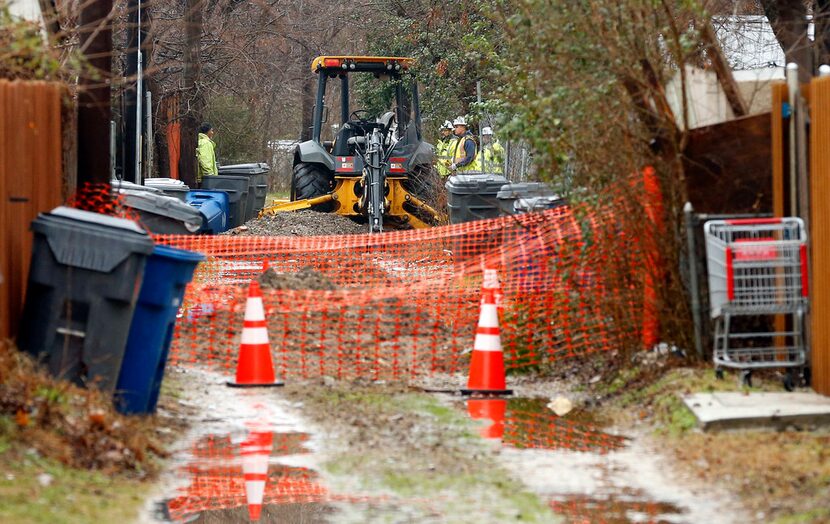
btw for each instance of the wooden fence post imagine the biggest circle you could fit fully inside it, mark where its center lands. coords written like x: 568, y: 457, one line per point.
x: 820, y: 233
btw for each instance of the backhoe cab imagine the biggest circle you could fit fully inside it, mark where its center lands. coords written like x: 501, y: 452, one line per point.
x: 377, y: 166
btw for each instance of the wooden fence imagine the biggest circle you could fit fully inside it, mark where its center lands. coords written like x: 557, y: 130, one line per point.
x: 31, y: 181
x: 819, y: 225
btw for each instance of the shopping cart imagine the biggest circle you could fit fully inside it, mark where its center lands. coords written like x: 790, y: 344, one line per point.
x: 758, y: 268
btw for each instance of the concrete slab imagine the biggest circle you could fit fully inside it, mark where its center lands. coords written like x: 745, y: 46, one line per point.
x: 758, y: 410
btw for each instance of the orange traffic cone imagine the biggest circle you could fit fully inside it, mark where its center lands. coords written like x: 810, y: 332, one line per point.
x: 255, y: 451
x: 487, y: 365
x: 491, y: 282
x: 492, y: 409
x: 254, y: 368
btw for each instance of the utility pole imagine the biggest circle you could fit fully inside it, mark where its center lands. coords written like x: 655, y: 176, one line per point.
x: 94, y: 93
x: 133, y: 113
x: 191, y: 98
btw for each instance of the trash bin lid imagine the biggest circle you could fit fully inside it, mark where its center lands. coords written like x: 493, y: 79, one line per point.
x: 524, y: 190
x: 245, y: 169
x: 97, y: 219
x: 177, y: 254
x: 538, y: 203
x: 89, y: 240
x: 123, y: 184
x: 163, y: 181
x: 475, y: 183
x: 165, y: 184
x: 219, y: 195
x: 164, y: 205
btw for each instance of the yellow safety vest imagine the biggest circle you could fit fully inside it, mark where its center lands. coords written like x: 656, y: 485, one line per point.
x: 460, y: 154
x: 443, y: 156
x: 491, y: 158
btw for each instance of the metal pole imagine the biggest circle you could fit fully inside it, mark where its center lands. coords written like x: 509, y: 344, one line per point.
x: 792, y: 92
x: 112, y: 150
x: 694, y: 286
x: 344, y: 99
x: 148, y: 130
x: 139, y: 86
x: 480, y: 136
x: 317, y: 124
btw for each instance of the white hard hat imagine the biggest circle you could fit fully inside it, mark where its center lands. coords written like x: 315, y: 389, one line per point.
x: 460, y: 121
x: 446, y: 125
x: 487, y: 131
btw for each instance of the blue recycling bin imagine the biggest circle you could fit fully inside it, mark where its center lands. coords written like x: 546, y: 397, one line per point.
x: 214, y: 206
x: 167, y: 273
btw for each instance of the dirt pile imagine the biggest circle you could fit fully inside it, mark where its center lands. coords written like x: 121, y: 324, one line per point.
x: 305, y: 278
x: 300, y: 223
x: 78, y: 427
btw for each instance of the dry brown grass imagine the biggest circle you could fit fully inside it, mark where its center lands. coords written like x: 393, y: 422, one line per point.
x: 78, y: 427
x: 782, y: 477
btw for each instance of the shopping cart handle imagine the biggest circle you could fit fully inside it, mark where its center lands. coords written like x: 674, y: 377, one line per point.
x: 753, y: 221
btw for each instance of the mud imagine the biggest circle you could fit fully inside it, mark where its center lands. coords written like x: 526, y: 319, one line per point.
x: 305, y: 278
x: 302, y: 223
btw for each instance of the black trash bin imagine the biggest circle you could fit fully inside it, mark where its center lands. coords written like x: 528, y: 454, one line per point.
x: 83, y: 285
x: 472, y: 196
x: 257, y: 185
x: 237, y: 189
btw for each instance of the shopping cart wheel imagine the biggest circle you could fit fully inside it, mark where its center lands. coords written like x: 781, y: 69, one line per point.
x: 746, y: 378
x: 790, y: 379
x: 719, y: 373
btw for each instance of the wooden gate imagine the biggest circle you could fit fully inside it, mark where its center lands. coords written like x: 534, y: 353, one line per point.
x: 31, y: 181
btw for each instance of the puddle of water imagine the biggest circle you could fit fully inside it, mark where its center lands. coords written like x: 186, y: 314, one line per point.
x: 614, y: 511
x: 247, y: 459
x: 225, y: 477
x: 589, y: 473
x: 527, y: 423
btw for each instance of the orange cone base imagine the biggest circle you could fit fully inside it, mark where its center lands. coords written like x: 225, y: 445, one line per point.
x: 263, y: 385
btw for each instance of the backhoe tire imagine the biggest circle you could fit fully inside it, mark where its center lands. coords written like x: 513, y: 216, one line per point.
x: 310, y: 181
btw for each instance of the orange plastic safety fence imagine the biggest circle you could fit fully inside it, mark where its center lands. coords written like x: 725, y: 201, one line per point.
x: 101, y: 198
x: 402, y: 304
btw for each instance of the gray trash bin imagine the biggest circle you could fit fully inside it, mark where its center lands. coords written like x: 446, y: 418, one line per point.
x: 84, y: 280
x: 257, y: 184
x: 169, y: 186
x: 162, y: 214
x: 237, y: 189
x: 472, y: 196
x: 523, y: 197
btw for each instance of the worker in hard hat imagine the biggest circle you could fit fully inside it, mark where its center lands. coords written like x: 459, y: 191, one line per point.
x: 444, y: 149
x: 491, y: 157
x: 464, y: 152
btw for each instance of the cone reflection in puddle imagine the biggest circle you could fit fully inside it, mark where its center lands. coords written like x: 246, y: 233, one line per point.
x: 225, y: 477
x: 488, y: 409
